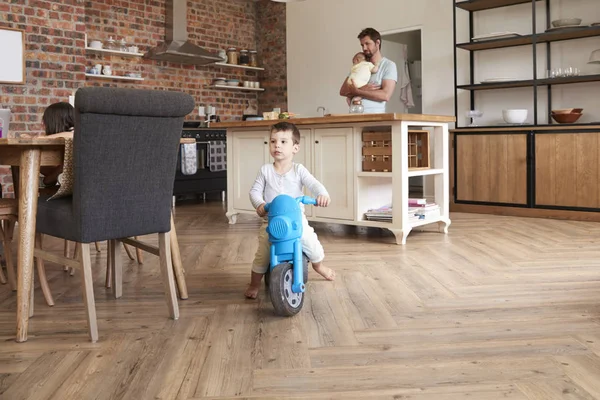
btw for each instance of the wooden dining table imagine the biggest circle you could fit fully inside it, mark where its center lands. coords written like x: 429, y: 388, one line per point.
x: 28, y: 154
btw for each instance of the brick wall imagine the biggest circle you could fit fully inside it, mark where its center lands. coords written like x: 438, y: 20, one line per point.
x: 54, y: 62
x: 271, y: 25
x: 56, y: 59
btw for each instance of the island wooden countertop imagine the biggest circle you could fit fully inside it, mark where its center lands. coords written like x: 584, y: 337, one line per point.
x: 338, y: 119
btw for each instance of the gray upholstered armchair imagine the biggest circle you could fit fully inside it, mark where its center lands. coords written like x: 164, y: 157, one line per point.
x: 124, y: 158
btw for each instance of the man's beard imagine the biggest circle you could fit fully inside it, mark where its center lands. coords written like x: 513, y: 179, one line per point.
x: 368, y: 56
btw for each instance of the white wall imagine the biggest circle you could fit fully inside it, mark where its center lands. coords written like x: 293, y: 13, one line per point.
x: 321, y: 39
x: 326, y: 31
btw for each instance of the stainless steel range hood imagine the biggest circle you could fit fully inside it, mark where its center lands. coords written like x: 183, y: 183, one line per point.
x: 177, y: 48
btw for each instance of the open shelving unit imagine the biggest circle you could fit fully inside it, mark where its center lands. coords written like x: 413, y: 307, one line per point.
x: 533, y: 40
x: 224, y: 64
x: 238, y: 88
x: 117, y: 77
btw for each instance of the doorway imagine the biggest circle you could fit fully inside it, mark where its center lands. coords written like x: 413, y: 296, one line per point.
x: 404, y: 48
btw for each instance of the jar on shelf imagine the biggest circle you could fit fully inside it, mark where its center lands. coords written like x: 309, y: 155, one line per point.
x: 253, y: 58
x: 123, y: 45
x: 110, y: 44
x: 244, y: 57
x: 232, y: 56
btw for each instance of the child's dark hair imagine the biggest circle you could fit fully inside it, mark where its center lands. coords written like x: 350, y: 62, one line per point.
x: 287, y: 126
x: 58, y: 117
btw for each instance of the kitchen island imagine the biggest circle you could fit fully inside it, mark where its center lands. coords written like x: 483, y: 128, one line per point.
x: 331, y: 147
x: 548, y: 171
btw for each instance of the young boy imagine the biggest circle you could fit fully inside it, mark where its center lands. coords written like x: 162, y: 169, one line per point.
x: 285, y: 176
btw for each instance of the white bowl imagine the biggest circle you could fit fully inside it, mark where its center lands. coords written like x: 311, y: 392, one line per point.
x: 594, y: 57
x: 514, y: 116
x: 96, y: 44
x: 566, y: 22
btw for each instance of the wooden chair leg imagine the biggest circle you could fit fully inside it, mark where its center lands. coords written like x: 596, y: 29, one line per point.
x: 67, y: 252
x: 8, y: 227
x: 42, y: 272
x: 31, y: 295
x: 164, y: 247
x: 129, y: 253
x: 177, y: 264
x: 75, y: 257
x: 97, y: 247
x: 117, y: 267
x: 3, y: 279
x: 138, y: 253
x: 88, y: 289
x: 109, y: 264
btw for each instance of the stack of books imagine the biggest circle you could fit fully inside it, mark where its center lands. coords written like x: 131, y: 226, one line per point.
x: 418, y: 210
x: 383, y: 213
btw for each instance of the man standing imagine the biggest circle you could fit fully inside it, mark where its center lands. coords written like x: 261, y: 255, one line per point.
x: 380, y: 88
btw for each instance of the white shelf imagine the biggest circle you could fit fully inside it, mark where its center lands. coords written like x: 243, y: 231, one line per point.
x: 238, y: 88
x: 411, y: 172
x: 425, y: 171
x: 114, y: 52
x: 118, y: 77
x: 224, y: 64
x: 375, y: 174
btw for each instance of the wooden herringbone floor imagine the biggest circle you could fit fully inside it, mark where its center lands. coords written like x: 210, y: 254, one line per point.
x: 501, y: 308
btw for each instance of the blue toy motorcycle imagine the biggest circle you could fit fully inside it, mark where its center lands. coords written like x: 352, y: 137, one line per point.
x: 288, y: 271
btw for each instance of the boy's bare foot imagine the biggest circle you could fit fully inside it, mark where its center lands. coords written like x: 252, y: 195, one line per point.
x: 252, y: 292
x: 325, y: 272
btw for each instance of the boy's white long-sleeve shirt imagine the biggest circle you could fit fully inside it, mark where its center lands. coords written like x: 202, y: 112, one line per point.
x: 269, y: 184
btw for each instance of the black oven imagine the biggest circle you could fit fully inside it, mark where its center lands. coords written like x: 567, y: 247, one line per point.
x: 211, y: 171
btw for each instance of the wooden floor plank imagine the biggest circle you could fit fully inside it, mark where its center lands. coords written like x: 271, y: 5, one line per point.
x: 500, y: 308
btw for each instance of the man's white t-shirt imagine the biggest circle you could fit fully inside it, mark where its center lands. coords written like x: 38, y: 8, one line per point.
x: 387, y: 70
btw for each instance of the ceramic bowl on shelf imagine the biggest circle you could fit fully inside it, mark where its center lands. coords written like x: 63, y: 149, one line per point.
x: 566, y: 22
x: 566, y: 118
x: 514, y: 116
x: 594, y: 57
x: 232, y: 82
x: 568, y: 111
x: 96, y: 44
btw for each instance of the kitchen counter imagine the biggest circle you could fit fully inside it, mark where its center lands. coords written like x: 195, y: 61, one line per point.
x: 337, y: 119
x: 331, y: 148
x: 549, y: 171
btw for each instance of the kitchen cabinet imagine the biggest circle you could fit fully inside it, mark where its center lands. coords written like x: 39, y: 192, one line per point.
x: 251, y: 151
x: 541, y: 171
x: 491, y: 168
x: 567, y: 169
x: 331, y: 149
x: 333, y: 167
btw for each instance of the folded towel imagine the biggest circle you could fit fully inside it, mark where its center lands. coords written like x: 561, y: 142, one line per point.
x: 189, y: 159
x: 217, y: 155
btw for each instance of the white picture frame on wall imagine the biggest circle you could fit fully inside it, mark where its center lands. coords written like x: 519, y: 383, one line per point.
x: 12, y: 54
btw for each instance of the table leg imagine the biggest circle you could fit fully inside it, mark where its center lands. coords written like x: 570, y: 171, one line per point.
x: 177, y: 264
x: 28, y: 198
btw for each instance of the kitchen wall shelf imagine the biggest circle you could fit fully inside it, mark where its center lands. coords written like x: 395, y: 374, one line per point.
x: 479, y: 5
x: 547, y: 38
x: 554, y: 36
x: 118, y: 77
x: 530, y: 82
x: 113, y: 52
x: 238, y: 88
x: 223, y: 64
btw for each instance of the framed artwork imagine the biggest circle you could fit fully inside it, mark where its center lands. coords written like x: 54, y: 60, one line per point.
x: 12, y: 56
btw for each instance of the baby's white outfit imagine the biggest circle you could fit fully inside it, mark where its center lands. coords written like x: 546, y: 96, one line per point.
x: 268, y: 185
x: 361, y: 73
